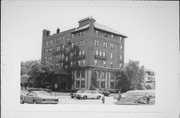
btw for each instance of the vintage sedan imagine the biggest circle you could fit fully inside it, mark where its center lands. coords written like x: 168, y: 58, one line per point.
x: 137, y: 97
x: 85, y: 94
x: 38, y: 97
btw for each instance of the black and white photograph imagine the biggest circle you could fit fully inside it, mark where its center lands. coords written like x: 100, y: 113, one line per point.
x: 79, y: 58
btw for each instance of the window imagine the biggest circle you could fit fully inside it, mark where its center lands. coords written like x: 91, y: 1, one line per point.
x: 96, y: 53
x: 104, y: 63
x: 103, y: 75
x: 66, y: 58
x: 72, y: 35
x: 83, y: 62
x: 105, y: 34
x: 81, y: 43
x: 77, y: 83
x: 83, y: 52
x: 100, y: 53
x: 62, y: 46
x: 120, y: 65
x: 112, y: 36
x: 120, y: 38
x: 97, y: 32
x: 62, y: 56
x: 112, y: 85
x: 80, y: 33
x: 102, y: 84
x: 61, y: 64
x: 72, y: 44
x: 78, y: 74
x: 82, y: 83
x: 112, y: 55
x: 104, y: 54
x: 79, y: 62
x: 112, y: 46
x: 121, y: 47
x: 71, y: 63
x: 105, y: 44
x: 96, y: 43
x: 95, y: 63
x: 83, y: 74
x: 111, y: 65
x: 67, y: 39
x: 120, y: 56
x: 58, y: 39
x: 79, y: 53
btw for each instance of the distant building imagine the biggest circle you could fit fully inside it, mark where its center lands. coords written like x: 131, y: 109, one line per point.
x: 149, y: 79
x: 101, y: 49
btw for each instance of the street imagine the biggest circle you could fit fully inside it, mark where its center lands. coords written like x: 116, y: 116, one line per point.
x: 65, y: 98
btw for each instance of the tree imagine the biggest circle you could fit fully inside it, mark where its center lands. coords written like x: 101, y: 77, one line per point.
x: 132, y: 77
x: 70, y: 60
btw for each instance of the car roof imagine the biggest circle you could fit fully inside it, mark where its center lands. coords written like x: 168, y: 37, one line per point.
x: 141, y: 92
x: 39, y: 89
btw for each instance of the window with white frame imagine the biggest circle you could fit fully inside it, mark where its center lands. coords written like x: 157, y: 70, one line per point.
x: 120, y: 65
x: 100, y: 53
x: 97, y: 53
x: 112, y: 36
x: 121, y: 47
x: 104, y: 54
x: 79, y: 62
x: 112, y: 55
x: 112, y: 46
x: 111, y: 65
x: 95, y: 62
x: 120, y: 56
x: 72, y: 35
x: 83, y: 62
x: 83, y: 52
x: 96, y: 43
x: 97, y: 32
x: 104, y: 63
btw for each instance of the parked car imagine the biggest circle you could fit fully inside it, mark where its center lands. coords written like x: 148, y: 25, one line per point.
x: 104, y: 92
x: 38, y: 96
x: 137, y: 97
x: 73, y: 95
x: 85, y: 94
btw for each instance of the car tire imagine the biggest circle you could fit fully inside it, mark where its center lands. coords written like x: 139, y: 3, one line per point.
x: 84, y: 97
x: 35, y: 102
x: 98, y: 97
x: 21, y: 101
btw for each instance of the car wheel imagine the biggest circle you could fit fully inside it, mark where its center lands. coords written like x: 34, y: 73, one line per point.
x: 35, y: 102
x: 98, y: 97
x: 84, y: 97
x: 21, y: 101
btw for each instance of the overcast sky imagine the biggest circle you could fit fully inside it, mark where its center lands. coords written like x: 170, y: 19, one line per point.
x: 142, y: 22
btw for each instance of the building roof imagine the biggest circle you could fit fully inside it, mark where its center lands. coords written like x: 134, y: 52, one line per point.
x: 81, y: 28
x: 108, y: 29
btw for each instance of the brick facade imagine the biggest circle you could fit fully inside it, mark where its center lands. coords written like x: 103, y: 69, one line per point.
x: 100, y: 47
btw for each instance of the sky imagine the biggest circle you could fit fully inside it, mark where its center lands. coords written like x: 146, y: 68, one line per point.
x: 142, y: 23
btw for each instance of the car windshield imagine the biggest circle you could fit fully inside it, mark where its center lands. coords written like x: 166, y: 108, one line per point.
x: 43, y: 93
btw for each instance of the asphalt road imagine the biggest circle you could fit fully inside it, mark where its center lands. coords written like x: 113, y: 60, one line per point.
x: 65, y: 98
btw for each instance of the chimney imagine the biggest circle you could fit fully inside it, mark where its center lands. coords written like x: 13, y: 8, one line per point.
x: 46, y: 33
x: 58, y: 30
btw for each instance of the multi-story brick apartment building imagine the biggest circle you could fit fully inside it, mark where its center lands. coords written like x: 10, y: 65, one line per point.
x: 101, y: 49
